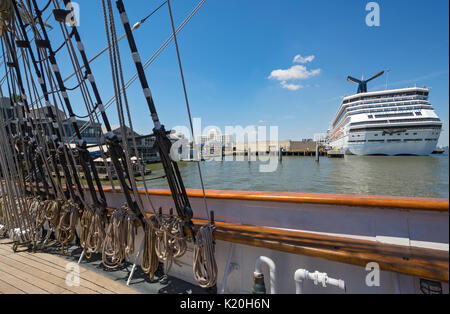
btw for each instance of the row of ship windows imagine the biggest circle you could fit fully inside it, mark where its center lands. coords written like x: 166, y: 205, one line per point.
x: 387, y: 100
x: 427, y: 107
x: 393, y: 140
x: 384, y: 134
x: 393, y: 115
x: 396, y: 121
x: 391, y: 134
x: 395, y: 104
x: 385, y: 96
x: 383, y: 102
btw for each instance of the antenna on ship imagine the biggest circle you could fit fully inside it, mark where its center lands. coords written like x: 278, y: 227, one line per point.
x: 362, y: 84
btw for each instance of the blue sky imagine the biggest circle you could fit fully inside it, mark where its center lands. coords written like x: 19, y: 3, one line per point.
x: 231, y: 47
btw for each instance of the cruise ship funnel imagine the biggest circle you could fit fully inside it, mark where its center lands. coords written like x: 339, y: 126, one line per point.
x: 362, y: 84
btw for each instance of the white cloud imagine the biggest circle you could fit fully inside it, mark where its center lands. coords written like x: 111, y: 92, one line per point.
x: 296, y: 72
x: 300, y: 59
x: 285, y: 85
x: 289, y: 78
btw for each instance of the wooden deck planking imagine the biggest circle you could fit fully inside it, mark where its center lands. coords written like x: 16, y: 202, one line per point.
x: 7, y: 288
x: 85, y: 274
x: 33, y: 279
x: 21, y: 284
x: 40, y: 273
x: 44, y: 273
x: 87, y: 283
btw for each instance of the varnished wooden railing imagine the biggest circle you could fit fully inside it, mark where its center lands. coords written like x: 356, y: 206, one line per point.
x: 412, y: 203
x: 414, y: 261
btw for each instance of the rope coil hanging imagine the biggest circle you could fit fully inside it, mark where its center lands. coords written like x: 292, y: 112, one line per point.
x: 119, y: 240
x: 6, y: 16
x: 150, y: 260
x: 170, y: 240
x: 67, y: 224
x: 205, y: 266
x: 97, y: 233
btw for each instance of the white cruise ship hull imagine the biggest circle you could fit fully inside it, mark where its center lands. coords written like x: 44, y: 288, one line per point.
x: 391, y: 122
x: 393, y: 149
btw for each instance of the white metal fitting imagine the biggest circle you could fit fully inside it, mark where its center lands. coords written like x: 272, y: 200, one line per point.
x: 272, y: 270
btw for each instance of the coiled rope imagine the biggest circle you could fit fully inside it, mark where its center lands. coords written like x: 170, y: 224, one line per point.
x: 52, y: 213
x: 85, y: 226
x: 67, y: 224
x: 45, y: 211
x: 205, y: 266
x: 119, y: 240
x: 3, y: 228
x: 170, y: 240
x: 150, y: 260
x: 97, y: 233
x: 6, y: 15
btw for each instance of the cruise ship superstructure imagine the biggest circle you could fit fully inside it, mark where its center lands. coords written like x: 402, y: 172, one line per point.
x: 388, y: 122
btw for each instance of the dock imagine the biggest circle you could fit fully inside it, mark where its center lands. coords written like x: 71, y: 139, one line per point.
x: 41, y: 273
x: 336, y: 154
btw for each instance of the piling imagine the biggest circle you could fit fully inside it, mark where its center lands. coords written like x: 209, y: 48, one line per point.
x: 317, y: 152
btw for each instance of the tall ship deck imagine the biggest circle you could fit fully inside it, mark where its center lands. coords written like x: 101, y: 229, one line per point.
x: 389, y: 122
x: 178, y: 240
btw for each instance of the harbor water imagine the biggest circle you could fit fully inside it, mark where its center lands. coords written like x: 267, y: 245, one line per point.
x: 365, y: 175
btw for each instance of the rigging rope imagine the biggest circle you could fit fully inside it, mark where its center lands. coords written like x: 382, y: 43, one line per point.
x: 119, y: 240
x: 205, y: 266
x: 187, y: 104
x: 67, y: 224
x: 6, y: 16
x: 170, y: 240
x: 164, y: 237
x: 150, y: 260
x: 150, y: 60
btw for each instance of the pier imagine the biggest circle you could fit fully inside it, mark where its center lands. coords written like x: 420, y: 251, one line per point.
x: 289, y: 148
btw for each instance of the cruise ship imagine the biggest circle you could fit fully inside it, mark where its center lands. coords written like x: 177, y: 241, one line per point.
x: 389, y: 122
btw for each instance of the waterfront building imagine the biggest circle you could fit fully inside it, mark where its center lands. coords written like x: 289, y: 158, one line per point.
x: 90, y: 132
x: 144, y: 144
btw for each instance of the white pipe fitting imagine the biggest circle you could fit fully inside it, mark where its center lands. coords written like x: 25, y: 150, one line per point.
x: 272, y: 271
x: 318, y: 278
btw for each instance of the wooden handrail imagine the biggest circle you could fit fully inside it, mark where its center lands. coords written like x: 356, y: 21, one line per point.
x: 396, y: 202
x: 412, y: 203
x: 414, y: 261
